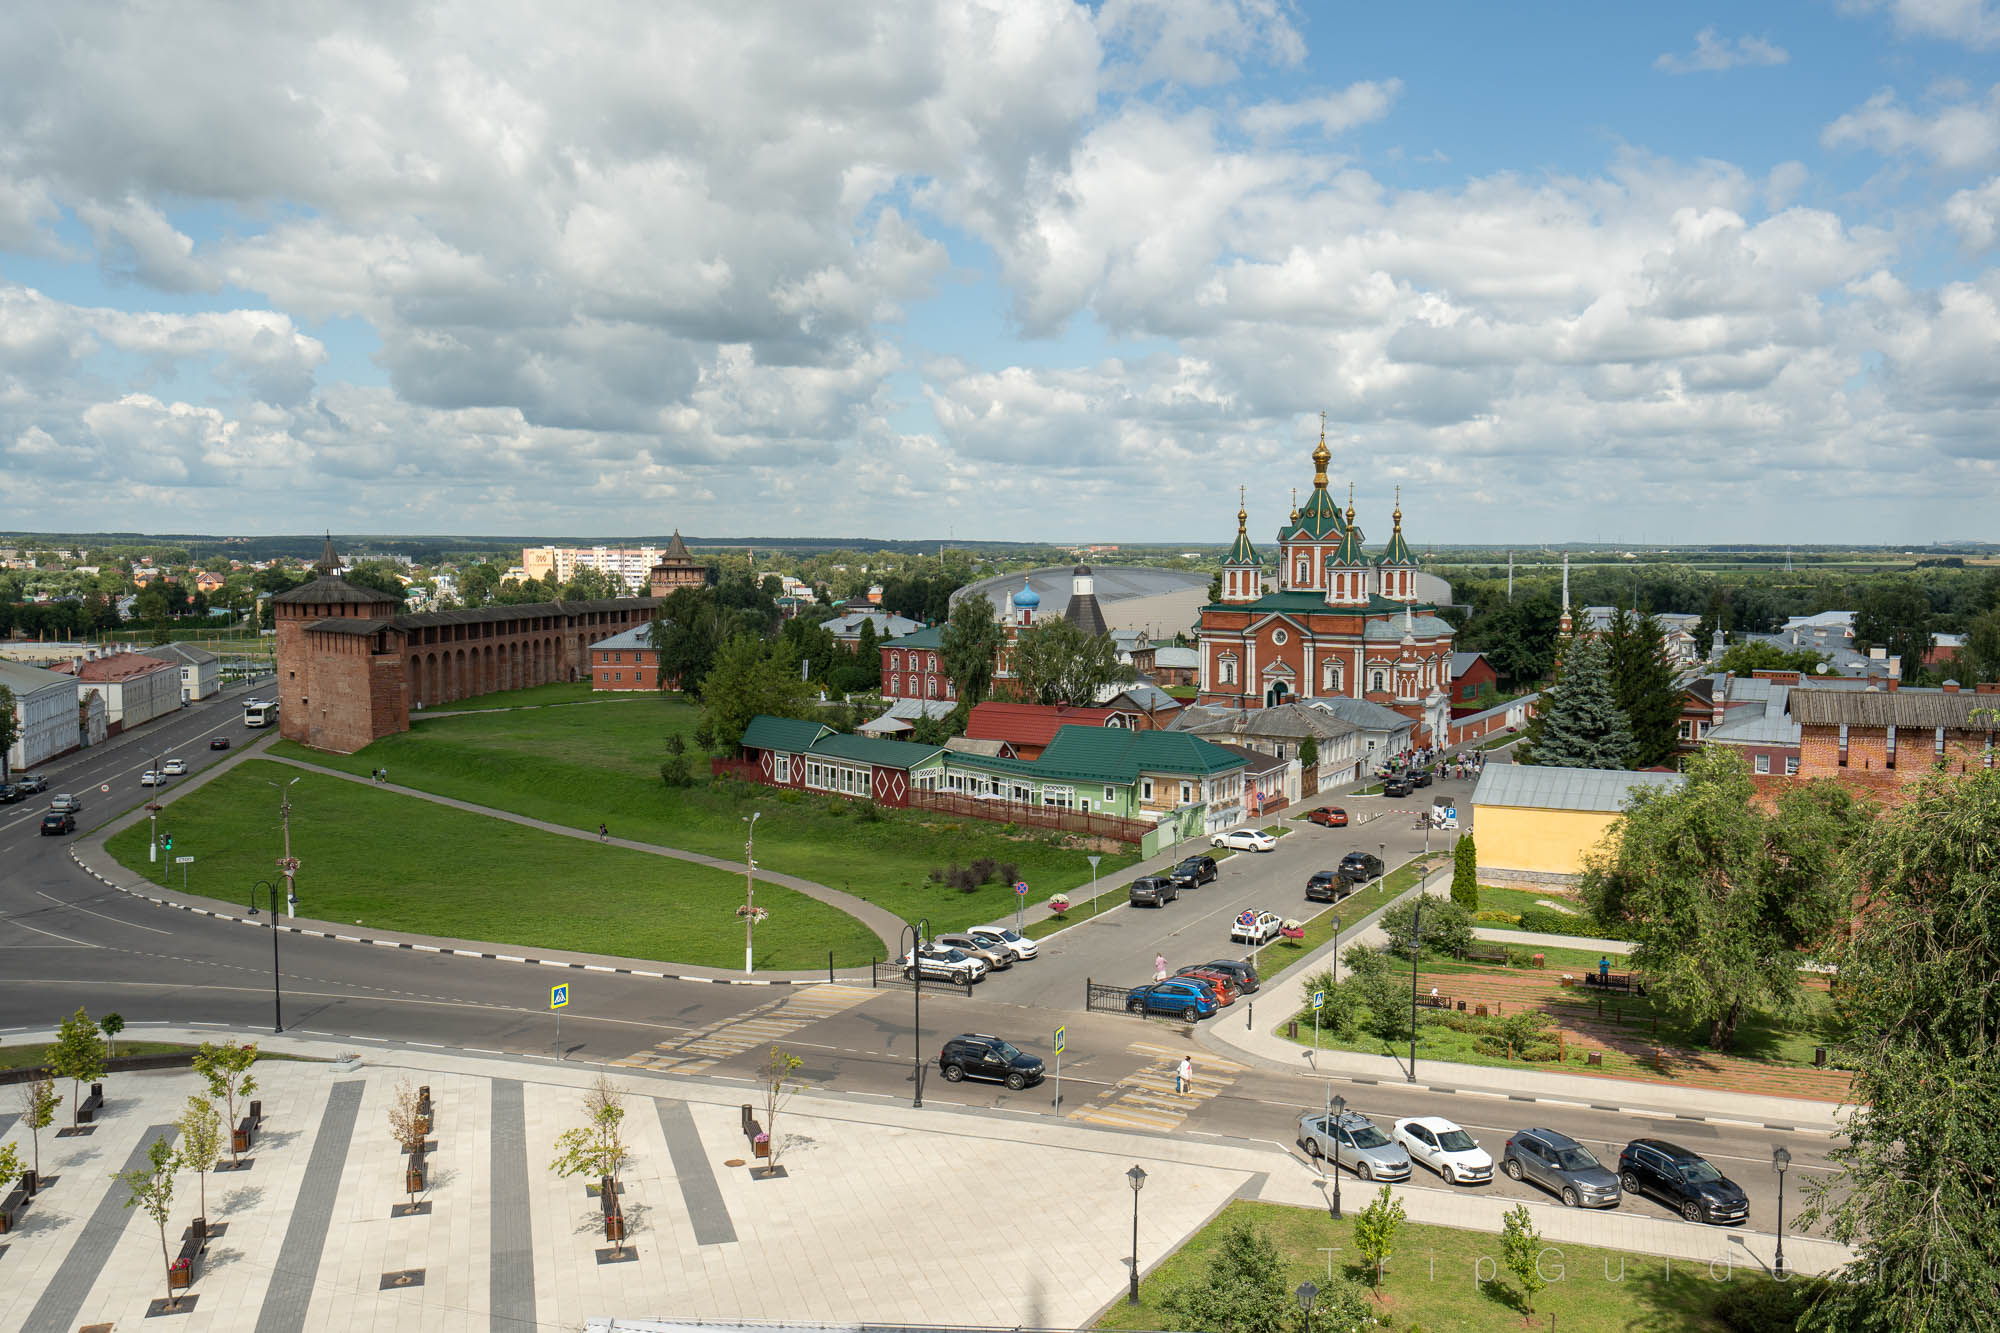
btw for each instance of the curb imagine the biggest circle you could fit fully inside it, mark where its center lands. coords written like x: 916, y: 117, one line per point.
x: 433, y: 948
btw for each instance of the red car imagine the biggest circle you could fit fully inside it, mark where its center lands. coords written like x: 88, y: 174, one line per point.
x: 1329, y: 816
x: 1218, y: 981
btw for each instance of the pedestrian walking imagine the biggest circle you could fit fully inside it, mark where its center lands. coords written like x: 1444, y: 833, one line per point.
x: 385, y: 773
x: 1603, y: 971
x: 1184, y: 1075
x: 1159, y: 967
x: 603, y: 833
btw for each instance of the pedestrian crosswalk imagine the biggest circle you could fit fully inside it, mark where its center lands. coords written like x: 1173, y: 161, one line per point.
x: 1147, y: 1099
x: 706, y: 1047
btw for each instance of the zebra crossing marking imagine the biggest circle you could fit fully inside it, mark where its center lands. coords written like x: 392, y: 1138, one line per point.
x: 707, y: 1047
x: 1146, y: 1099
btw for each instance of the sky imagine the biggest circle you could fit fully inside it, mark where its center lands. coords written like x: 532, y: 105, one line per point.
x: 1021, y: 270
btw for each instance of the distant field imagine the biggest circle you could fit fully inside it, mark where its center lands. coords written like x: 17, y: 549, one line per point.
x: 579, y: 766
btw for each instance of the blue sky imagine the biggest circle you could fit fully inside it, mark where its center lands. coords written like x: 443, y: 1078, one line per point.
x: 1028, y: 270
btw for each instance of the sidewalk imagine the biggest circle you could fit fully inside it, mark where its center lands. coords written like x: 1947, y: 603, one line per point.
x: 852, y: 1232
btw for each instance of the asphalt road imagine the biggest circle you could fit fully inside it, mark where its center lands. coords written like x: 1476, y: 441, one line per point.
x: 68, y: 941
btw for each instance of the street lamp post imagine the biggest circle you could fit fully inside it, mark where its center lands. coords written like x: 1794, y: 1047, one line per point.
x: 750, y: 888
x: 288, y: 865
x: 916, y: 931
x: 1339, y: 1109
x: 277, y: 1003
x: 1138, y: 1178
x: 1093, y: 882
x: 1307, y: 1294
x: 1780, y: 1159
x: 1336, y: 948
x: 1416, y: 949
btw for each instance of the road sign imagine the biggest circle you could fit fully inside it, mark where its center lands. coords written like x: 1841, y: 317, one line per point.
x: 1319, y: 999
x: 1059, y: 1039
x: 1021, y: 886
x: 558, y: 996
x: 105, y: 788
x: 183, y: 860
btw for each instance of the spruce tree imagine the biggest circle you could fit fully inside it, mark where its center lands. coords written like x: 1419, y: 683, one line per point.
x: 1580, y: 724
x: 1644, y: 683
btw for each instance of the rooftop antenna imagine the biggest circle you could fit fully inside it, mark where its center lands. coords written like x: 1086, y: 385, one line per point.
x: 1510, y: 576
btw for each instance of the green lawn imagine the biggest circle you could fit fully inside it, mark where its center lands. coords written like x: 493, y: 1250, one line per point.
x: 1431, y: 1280
x: 535, y: 696
x: 35, y: 1053
x: 374, y: 858
x: 1495, y: 742
x: 579, y: 766
x: 1518, y: 901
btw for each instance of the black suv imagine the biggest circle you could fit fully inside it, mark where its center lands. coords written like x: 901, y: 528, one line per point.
x: 9, y: 793
x: 1683, y: 1180
x: 58, y: 822
x: 1422, y: 777
x: 1396, y: 787
x: 1360, y: 867
x: 976, y: 1055
x: 1327, y: 886
x: 1152, y: 890
x: 1193, y: 872
x: 1240, y: 970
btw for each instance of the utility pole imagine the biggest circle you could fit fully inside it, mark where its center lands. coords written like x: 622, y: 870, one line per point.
x: 288, y: 864
x: 750, y: 889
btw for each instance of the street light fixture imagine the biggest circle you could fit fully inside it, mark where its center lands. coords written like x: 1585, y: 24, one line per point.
x: 1093, y: 882
x: 1416, y: 951
x: 1138, y: 1178
x: 1307, y: 1294
x: 1780, y: 1159
x: 1339, y: 1110
x: 750, y: 888
x: 916, y: 931
x: 288, y: 865
x: 277, y: 1003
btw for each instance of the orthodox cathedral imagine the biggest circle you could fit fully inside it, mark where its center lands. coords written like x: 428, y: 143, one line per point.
x: 1339, y: 624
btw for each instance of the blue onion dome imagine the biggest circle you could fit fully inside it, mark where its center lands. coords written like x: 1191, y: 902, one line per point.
x: 1027, y: 596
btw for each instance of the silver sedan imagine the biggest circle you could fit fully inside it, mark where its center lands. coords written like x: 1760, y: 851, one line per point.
x: 1352, y: 1140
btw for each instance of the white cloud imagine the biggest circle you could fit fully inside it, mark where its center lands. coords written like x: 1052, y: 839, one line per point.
x: 1713, y: 53
x: 1960, y: 136
x: 135, y: 241
x: 1356, y: 104
x: 1975, y: 215
x: 1974, y: 23
x: 1196, y: 43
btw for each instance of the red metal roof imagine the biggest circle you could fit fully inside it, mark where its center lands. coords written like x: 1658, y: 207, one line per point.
x: 117, y: 667
x: 1029, y: 724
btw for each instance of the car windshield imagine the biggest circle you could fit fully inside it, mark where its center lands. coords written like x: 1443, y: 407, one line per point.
x: 1456, y: 1140
x: 1576, y: 1159
x: 1006, y: 1050
x: 1367, y: 1136
x: 1699, y: 1172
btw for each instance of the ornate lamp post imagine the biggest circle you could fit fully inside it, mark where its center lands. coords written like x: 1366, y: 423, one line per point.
x: 1307, y: 1294
x: 1780, y: 1159
x: 750, y: 888
x: 277, y: 1003
x: 916, y: 932
x: 1339, y: 1110
x: 1138, y: 1178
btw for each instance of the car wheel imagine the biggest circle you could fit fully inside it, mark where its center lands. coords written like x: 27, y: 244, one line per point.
x: 1135, y: 1006
x: 1313, y: 1149
x: 1629, y: 1182
x: 1449, y: 1178
x: 1190, y: 1014
x: 1365, y: 1171
x: 964, y: 979
x: 1691, y: 1211
x: 909, y: 974
x: 1513, y: 1168
x: 953, y: 1073
x: 1016, y: 1082
x: 1570, y: 1200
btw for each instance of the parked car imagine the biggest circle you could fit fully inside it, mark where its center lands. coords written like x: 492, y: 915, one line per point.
x: 65, y: 801
x: 149, y: 779
x: 1255, y: 927
x: 1329, y: 816
x: 1242, y: 974
x: 10, y: 793
x: 976, y: 1055
x: 1685, y: 1181
x: 58, y: 822
x: 1446, y: 1149
x: 1562, y: 1166
x: 1193, y: 872
x: 1244, y: 840
x: 1215, y: 979
x: 953, y: 965
x: 1352, y: 1140
x: 1017, y: 944
x: 1396, y: 787
x: 1176, y: 995
x: 996, y: 960
x: 30, y: 784
x: 1360, y: 867
x: 1327, y: 886
x: 219, y: 743
x: 173, y: 768
x: 1151, y: 891
x: 1421, y: 777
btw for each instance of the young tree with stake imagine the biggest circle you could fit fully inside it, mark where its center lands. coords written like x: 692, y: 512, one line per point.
x: 200, y: 1129
x: 227, y: 1069
x: 779, y: 1088
x: 408, y: 1126
x: 597, y: 1148
x: 151, y: 1189
x: 1519, y: 1248
x: 1375, y: 1231
x: 39, y: 1100
x: 111, y: 1025
x: 77, y: 1055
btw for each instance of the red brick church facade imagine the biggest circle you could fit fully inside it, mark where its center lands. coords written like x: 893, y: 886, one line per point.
x: 351, y: 667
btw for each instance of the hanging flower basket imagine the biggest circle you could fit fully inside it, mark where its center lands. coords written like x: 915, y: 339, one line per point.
x: 1059, y: 904
x: 752, y: 914
x: 1292, y: 930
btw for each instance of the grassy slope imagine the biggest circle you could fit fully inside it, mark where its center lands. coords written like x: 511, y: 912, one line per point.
x: 579, y: 766
x: 395, y: 862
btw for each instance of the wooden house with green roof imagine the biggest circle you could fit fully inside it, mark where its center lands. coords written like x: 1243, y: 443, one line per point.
x: 811, y: 756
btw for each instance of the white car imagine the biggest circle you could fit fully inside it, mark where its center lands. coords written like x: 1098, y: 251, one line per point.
x: 149, y: 779
x: 1244, y: 840
x: 1255, y: 927
x: 173, y: 768
x: 65, y: 803
x: 1000, y: 937
x: 1445, y: 1149
x: 953, y: 965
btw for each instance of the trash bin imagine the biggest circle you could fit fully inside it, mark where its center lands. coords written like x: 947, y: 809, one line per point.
x: 1819, y: 1057
x: 1292, y: 1028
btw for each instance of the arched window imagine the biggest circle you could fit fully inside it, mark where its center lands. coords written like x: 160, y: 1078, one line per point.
x: 1305, y: 572
x: 895, y: 685
x: 1227, y: 663
x: 895, y: 661
x: 1329, y: 677
x: 932, y: 664
x: 1377, y: 686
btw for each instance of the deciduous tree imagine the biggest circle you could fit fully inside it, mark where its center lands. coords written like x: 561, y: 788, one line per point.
x: 779, y: 1089
x: 10, y: 725
x: 1897, y: 617
x: 971, y: 640
x: 1914, y: 982
x: 225, y: 1067
x: 200, y: 1127
x: 1721, y: 894
x: 1056, y: 662
x: 1520, y: 1248
x: 1750, y: 656
x: 39, y: 1100
x: 77, y: 1055
x: 750, y: 677
x: 150, y: 1189
x: 1375, y: 1230
x: 597, y: 1147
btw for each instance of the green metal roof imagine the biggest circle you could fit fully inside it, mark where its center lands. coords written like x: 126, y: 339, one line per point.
x: 782, y: 733
x: 1349, y: 553
x: 1397, y: 552
x: 923, y: 638
x: 1318, y: 520
x: 1302, y: 601
x: 871, y: 750
x: 1127, y: 753
x: 1243, y: 553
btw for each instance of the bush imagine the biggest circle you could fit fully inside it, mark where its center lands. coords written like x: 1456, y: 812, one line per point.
x: 1010, y: 873
x: 937, y: 875
x: 675, y: 745
x: 704, y: 733
x: 982, y: 870
x: 867, y: 812
x: 1342, y: 1012
x: 676, y: 773
x: 1447, y: 926
x: 1494, y: 916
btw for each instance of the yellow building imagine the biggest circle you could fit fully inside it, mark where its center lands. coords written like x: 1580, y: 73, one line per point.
x: 1535, y: 825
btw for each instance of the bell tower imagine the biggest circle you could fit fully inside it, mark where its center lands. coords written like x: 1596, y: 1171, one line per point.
x: 1242, y: 571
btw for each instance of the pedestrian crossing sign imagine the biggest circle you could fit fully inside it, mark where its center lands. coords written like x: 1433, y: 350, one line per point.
x: 1319, y: 999
x: 558, y: 996
x: 1059, y: 1039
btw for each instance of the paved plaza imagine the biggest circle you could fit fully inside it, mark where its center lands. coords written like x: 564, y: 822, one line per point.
x: 885, y: 1213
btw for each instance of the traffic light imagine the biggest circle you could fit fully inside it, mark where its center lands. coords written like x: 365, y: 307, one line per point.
x: 168, y: 841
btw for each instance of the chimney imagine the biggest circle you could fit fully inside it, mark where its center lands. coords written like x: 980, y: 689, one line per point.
x: 1951, y: 687
x: 1877, y: 653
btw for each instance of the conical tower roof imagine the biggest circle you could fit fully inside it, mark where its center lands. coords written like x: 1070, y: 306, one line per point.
x: 1321, y: 516
x: 1350, y: 552
x: 1242, y: 553
x: 677, y: 549
x: 1397, y: 552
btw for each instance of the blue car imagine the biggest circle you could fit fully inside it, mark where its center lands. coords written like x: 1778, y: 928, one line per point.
x: 1184, y: 996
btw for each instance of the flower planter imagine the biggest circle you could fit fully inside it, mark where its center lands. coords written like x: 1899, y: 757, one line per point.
x: 413, y: 1180
x: 1293, y: 934
x: 180, y: 1277
x: 762, y: 1145
x: 614, y: 1227
x: 239, y: 1140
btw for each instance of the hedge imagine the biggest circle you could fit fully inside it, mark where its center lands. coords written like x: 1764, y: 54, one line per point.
x: 1546, y: 921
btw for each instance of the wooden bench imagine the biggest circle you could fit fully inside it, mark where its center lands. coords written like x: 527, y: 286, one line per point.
x: 1623, y: 983
x: 614, y: 1212
x: 10, y: 1208
x: 181, y: 1275
x: 1483, y: 953
x: 1435, y: 1001
x: 751, y: 1129
x: 87, y: 1113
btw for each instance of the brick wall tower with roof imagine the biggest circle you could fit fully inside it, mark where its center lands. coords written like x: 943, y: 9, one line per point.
x: 1083, y: 610
x: 677, y: 569
x: 1343, y: 622
x: 327, y: 692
